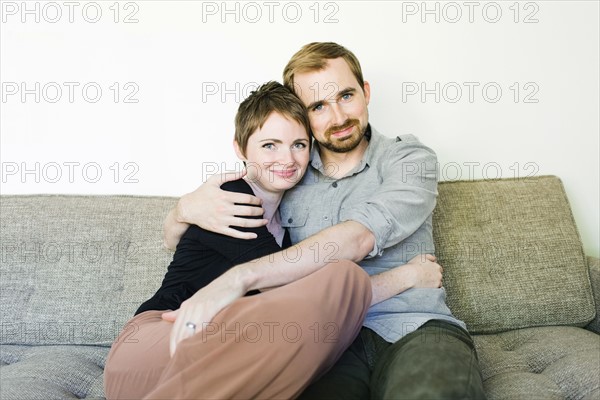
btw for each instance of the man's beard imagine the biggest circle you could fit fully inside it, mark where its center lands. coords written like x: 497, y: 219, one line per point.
x: 347, y: 143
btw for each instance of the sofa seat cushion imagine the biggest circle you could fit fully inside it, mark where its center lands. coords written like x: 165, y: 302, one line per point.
x: 544, y: 362
x: 52, y: 372
x: 511, y: 254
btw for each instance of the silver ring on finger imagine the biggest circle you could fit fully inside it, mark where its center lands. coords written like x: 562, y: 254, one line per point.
x: 191, y: 326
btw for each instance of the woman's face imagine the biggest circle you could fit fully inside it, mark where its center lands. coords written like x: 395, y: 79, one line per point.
x: 276, y: 154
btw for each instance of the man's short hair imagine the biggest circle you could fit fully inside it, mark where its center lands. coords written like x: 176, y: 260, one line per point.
x: 314, y: 56
x: 256, y: 108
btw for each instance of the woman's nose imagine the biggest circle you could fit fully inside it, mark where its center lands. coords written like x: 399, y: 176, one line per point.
x: 286, y: 157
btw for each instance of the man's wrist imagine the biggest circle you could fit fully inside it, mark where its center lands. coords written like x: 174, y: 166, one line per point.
x: 405, y: 278
x: 179, y: 214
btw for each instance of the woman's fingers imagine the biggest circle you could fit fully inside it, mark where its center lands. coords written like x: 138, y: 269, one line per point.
x: 183, y: 328
x: 202, y: 307
x: 170, y: 316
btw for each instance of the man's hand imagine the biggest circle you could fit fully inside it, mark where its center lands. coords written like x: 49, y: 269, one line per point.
x: 201, y: 308
x: 425, y: 271
x: 421, y: 271
x: 215, y: 210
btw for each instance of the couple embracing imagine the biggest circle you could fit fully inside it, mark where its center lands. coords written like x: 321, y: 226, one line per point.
x: 310, y: 277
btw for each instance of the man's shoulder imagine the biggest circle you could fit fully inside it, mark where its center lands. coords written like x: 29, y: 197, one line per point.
x: 400, y: 146
x: 406, y: 138
x: 386, y: 140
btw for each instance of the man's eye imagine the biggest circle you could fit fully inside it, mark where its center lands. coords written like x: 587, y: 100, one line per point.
x: 346, y: 97
x: 318, y: 108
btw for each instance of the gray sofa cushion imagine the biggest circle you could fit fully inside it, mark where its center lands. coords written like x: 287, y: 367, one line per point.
x: 511, y: 254
x: 52, y: 372
x: 75, y: 268
x: 542, y: 363
x: 594, y: 268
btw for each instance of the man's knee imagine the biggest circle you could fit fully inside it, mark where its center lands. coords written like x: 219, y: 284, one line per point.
x: 436, y: 361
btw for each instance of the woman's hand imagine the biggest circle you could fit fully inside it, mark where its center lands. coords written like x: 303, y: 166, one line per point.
x: 201, y: 308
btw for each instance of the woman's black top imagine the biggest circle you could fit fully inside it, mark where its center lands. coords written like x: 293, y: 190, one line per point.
x: 202, y: 256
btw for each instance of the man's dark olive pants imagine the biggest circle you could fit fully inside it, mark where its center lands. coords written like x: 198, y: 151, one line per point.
x: 437, y: 361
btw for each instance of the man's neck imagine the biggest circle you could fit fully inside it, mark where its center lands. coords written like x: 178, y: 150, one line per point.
x: 337, y: 165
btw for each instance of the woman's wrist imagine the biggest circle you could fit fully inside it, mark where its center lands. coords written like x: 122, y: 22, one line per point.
x: 241, y: 279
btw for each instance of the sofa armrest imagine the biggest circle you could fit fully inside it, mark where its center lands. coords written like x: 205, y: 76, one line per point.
x: 594, y: 270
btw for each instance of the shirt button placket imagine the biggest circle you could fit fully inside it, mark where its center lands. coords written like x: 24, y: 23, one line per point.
x: 333, y: 185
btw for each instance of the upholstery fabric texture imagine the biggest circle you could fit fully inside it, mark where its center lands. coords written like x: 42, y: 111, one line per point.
x: 512, y: 255
x: 552, y: 362
x: 75, y: 268
x: 594, y: 268
x: 52, y: 372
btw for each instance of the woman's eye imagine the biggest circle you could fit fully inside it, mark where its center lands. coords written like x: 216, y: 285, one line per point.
x: 299, y: 145
x: 269, y: 146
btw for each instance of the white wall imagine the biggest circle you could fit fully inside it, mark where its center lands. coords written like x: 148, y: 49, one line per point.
x: 187, y: 65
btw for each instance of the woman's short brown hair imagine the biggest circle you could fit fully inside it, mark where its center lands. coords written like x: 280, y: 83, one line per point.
x: 256, y: 108
x: 314, y: 56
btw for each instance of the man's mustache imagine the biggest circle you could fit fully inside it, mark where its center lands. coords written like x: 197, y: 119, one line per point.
x: 336, y: 128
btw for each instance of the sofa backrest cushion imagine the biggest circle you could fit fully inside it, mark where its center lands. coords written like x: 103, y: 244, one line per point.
x: 75, y: 268
x: 511, y: 254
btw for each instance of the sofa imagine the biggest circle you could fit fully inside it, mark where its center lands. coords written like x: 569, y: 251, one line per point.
x: 75, y: 268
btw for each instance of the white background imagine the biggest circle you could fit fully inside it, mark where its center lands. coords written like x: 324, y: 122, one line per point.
x: 171, y: 75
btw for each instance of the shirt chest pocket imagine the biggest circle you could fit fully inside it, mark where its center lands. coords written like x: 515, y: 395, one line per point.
x: 294, y: 216
x: 295, y: 206
x: 305, y: 210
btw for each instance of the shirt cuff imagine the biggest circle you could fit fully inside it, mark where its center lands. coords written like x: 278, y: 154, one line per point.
x: 377, y: 224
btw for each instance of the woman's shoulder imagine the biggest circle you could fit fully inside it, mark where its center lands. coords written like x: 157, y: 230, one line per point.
x: 239, y: 185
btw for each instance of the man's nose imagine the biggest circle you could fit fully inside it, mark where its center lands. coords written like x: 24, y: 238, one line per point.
x: 338, y: 114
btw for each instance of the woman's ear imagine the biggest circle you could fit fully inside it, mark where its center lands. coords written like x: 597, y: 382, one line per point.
x: 238, y: 151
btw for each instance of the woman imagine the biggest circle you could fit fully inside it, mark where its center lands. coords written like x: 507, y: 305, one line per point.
x: 271, y: 345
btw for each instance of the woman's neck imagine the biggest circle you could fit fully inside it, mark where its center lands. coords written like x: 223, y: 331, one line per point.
x: 270, y: 200
x: 270, y: 206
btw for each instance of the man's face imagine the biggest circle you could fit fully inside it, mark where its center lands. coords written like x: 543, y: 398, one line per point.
x: 336, y: 104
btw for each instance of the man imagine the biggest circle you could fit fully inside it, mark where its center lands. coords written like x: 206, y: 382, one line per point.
x: 367, y: 198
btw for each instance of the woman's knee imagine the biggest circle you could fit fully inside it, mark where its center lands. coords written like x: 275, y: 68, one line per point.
x: 345, y: 276
x: 137, y: 357
x: 142, y: 343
